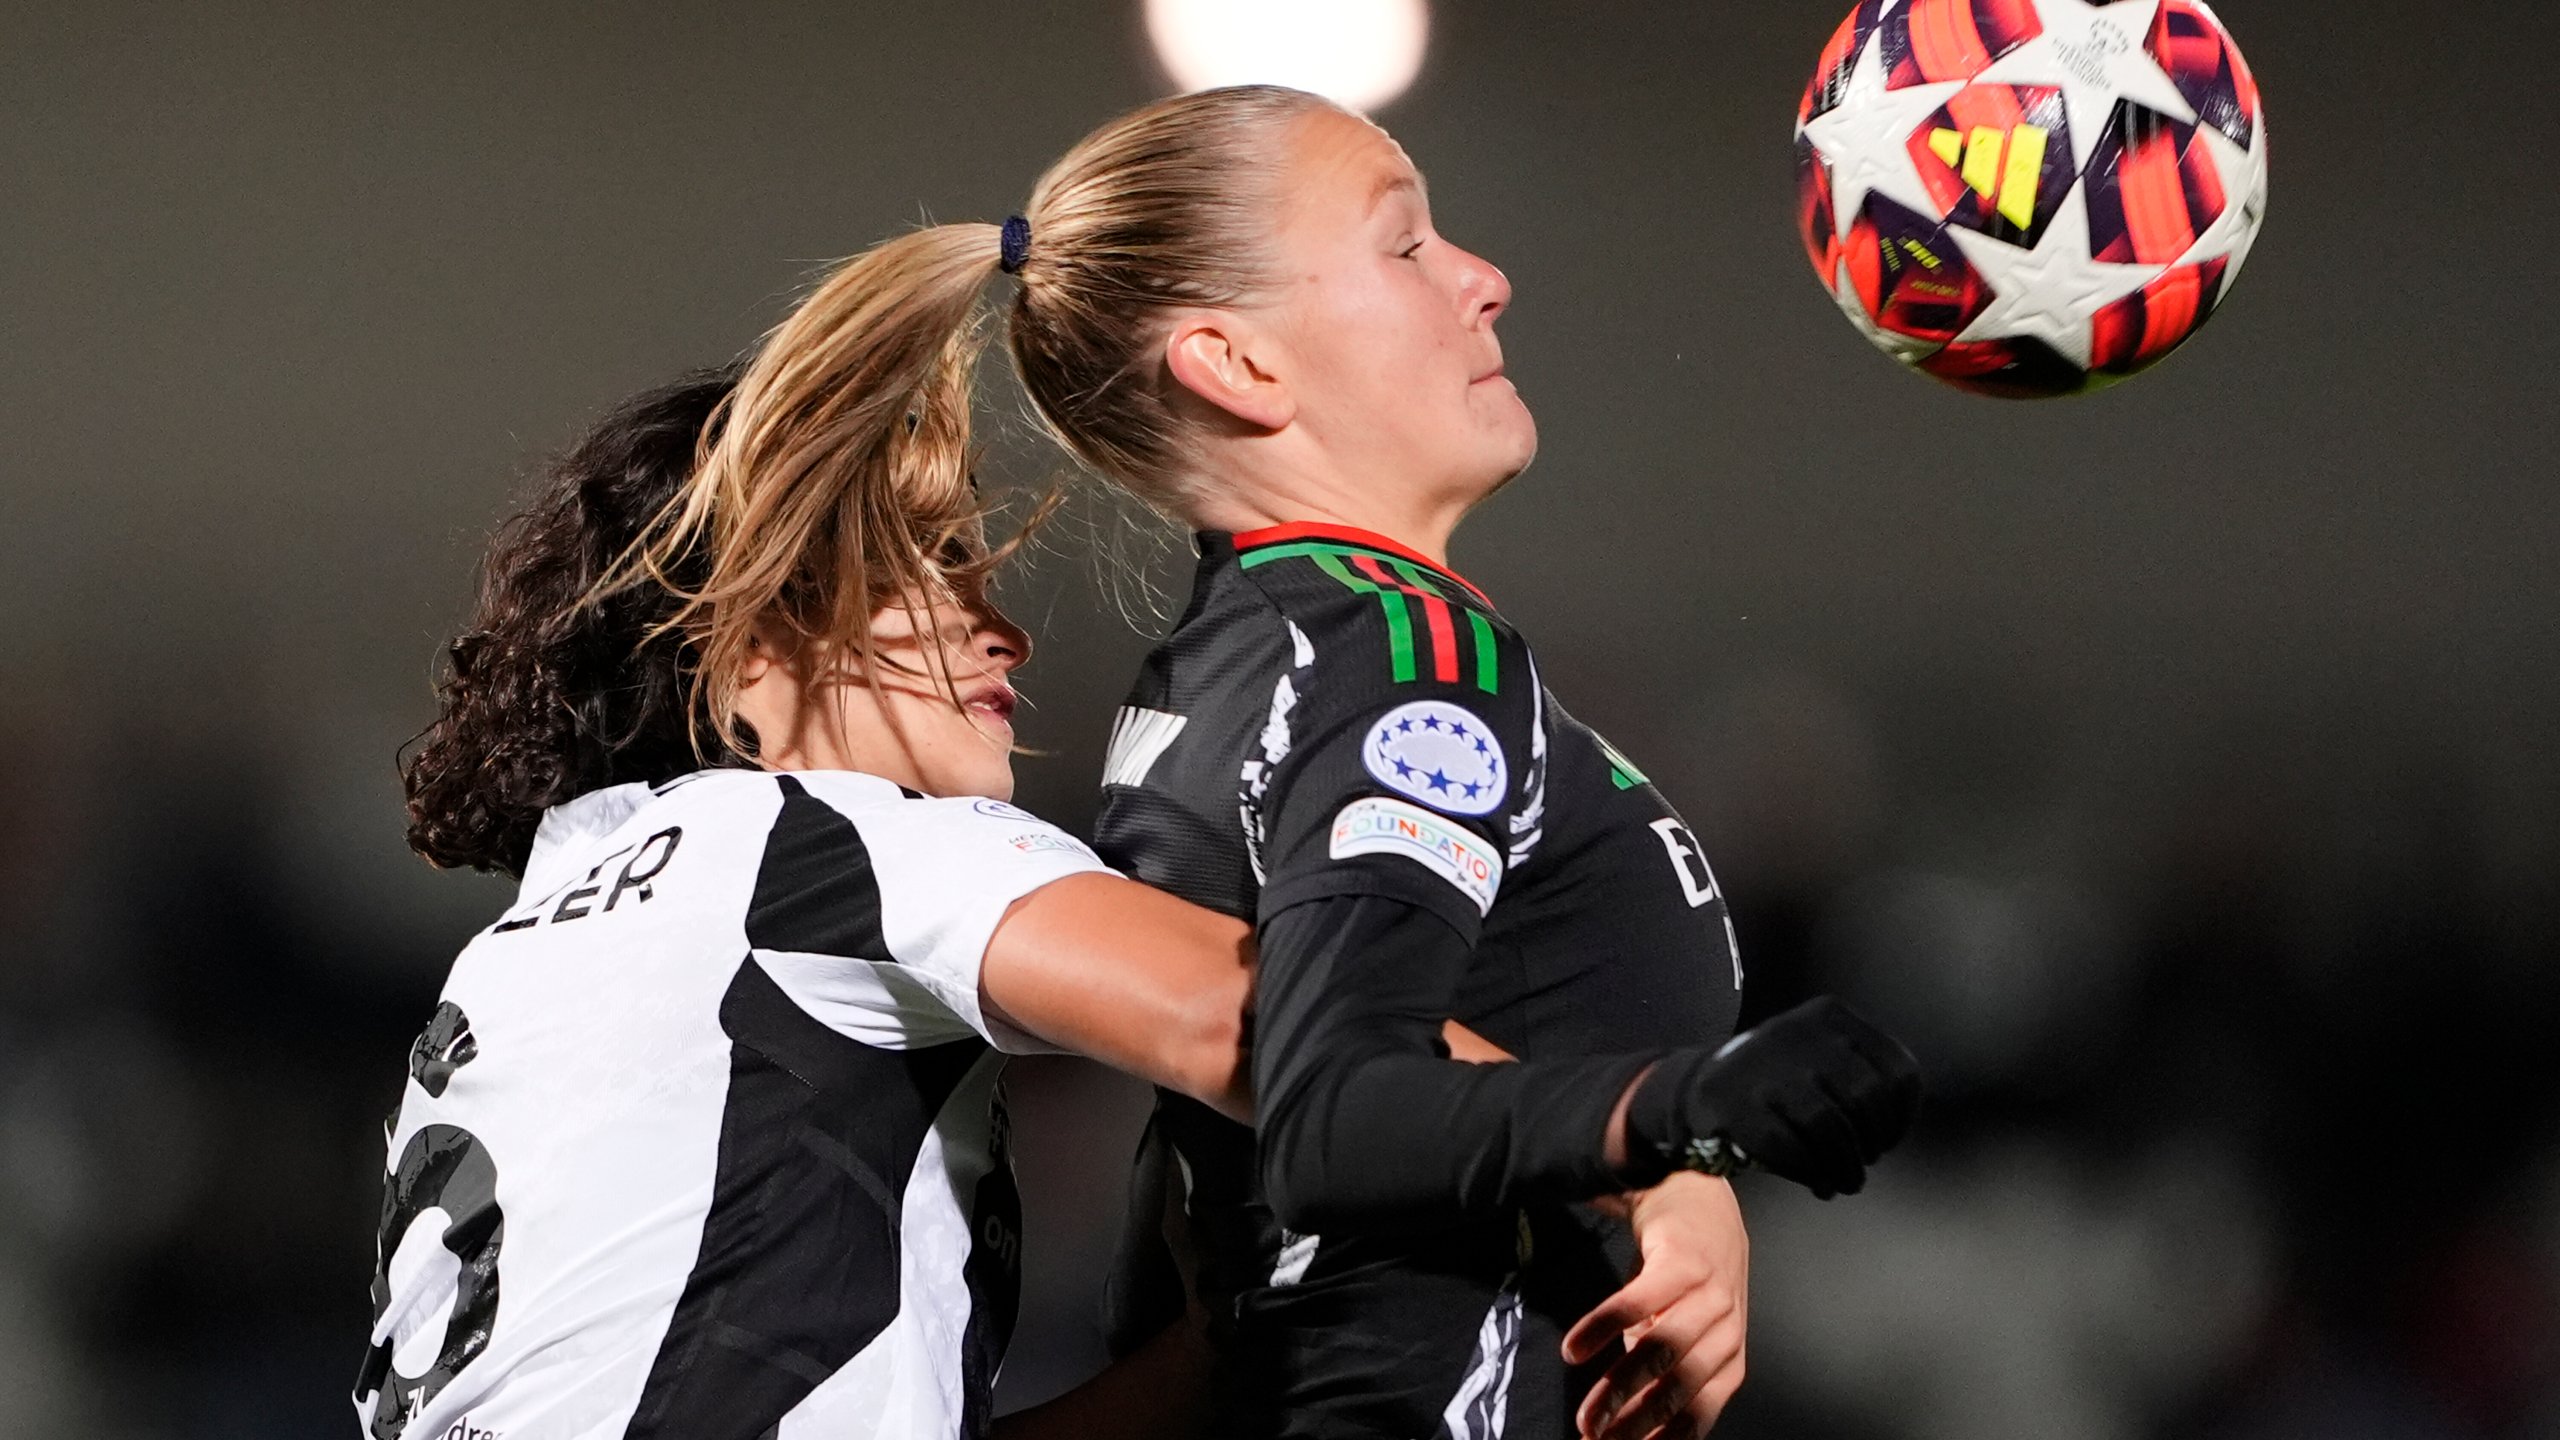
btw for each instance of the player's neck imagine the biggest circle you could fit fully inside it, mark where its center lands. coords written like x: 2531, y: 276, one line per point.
x: 1418, y: 520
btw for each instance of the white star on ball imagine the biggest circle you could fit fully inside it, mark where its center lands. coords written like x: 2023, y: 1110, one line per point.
x: 1866, y: 137
x: 2095, y: 55
x: 2052, y: 291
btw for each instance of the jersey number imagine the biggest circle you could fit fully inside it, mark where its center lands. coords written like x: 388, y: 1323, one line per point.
x: 444, y: 1168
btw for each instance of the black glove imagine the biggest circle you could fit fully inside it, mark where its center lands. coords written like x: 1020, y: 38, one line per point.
x: 1813, y: 1095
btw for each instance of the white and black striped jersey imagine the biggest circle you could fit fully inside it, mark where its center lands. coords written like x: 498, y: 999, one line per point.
x: 705, y: 1140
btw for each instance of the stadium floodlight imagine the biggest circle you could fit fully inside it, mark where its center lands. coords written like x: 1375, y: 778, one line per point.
x: 1359, y: 53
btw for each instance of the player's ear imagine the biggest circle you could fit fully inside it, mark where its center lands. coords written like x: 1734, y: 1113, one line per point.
x: 1219, y: 356
x: 768, y: 645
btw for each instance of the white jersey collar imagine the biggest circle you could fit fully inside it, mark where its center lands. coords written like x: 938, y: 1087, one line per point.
x: 567, y: 828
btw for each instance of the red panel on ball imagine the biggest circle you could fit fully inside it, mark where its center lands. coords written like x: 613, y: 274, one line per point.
x: 1938, y: 40
x: 2151, y: 188
x: 2156, y: 319
x: 2198, y: 55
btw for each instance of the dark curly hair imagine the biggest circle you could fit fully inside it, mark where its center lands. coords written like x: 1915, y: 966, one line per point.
x: 553, y: 689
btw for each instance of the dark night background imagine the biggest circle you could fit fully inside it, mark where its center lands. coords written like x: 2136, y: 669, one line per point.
x: 2174, y: 766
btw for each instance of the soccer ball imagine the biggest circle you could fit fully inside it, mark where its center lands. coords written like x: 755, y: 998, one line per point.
x: 2030, y: 197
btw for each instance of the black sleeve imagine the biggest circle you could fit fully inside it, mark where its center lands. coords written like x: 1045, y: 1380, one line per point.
x: 1421, y: 790
x: 1365, y: 1118
x: 1389, y: 807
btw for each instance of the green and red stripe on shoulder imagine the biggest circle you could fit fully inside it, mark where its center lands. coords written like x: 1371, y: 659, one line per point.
x: 1402, y: 581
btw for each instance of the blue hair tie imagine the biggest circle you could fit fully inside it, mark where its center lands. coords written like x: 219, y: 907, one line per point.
x: 1017, y: 245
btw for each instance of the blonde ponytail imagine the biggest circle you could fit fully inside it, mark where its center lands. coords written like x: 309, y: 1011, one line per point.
x: 1170, y: 205
x: 839, y: 481
x: 836, y: 480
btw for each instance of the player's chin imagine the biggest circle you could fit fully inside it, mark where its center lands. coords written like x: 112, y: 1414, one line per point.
x: 992, y: 775
x: 992, y: 782
x: 1510, y: 443
x: 977, y: 761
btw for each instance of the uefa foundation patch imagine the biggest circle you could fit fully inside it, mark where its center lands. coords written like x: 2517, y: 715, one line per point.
x: 1376, y: 825
x: 1440, y: 754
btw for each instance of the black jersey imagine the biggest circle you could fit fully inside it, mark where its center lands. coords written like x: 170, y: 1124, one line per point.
x: 1334, y: 716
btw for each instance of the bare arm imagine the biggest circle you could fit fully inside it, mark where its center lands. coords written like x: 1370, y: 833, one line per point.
x: 1129, y: 975
x: 1145, y: 983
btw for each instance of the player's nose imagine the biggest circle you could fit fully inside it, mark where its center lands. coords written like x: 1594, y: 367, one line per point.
x: 1484, y: 292
x: 1000, y: 645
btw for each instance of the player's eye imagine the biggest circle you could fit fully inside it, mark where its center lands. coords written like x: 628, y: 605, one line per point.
x: 1409, y: 251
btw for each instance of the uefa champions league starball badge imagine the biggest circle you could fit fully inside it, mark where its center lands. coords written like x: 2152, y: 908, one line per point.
x: 1440, y: 754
